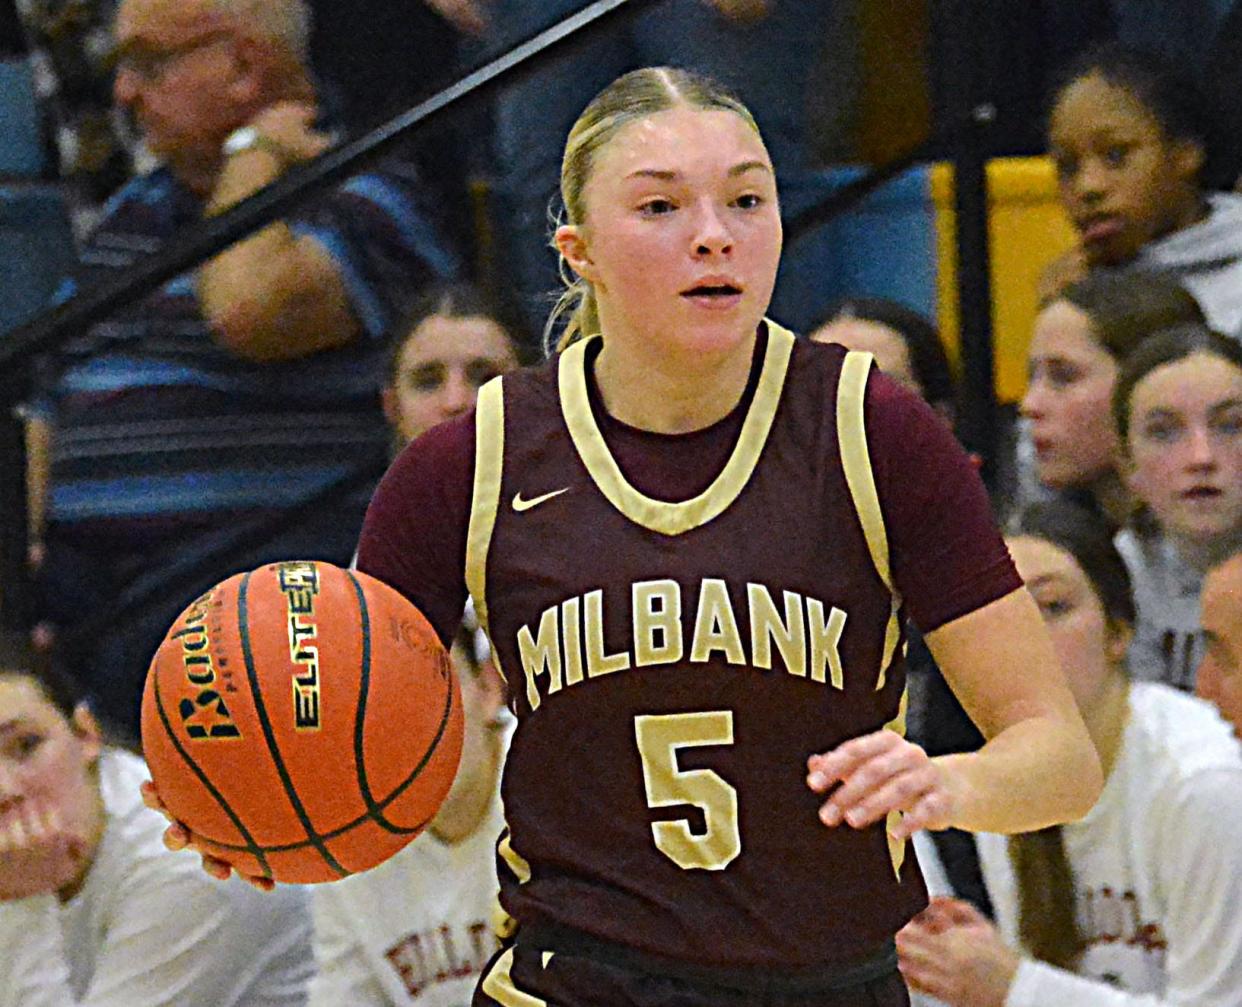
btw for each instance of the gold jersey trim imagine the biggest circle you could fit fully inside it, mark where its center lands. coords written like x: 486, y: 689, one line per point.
x: 856, y: 461
x: 658, y: 515
x: 517, y: 863
x: 856, y: 458
x: 859, y: 476
x: 489, y: 450
x: 498, y: 984
x: 897, y: 847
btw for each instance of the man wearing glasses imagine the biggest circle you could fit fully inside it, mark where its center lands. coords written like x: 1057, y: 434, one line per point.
x: 218, y: 404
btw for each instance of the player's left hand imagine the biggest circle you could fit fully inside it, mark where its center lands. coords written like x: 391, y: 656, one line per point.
x: 952, y: 952
x: 178, y: 837
x: 880, y: 773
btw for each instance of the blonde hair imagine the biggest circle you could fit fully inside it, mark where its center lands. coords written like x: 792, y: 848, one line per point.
x: 286, y: 22
x: 631, y: 97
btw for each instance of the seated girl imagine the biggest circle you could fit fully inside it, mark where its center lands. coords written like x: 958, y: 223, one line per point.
x: 93, y: 909
x: 1135, y: 905
x: 1178, y: 413
x: 1130, y: 136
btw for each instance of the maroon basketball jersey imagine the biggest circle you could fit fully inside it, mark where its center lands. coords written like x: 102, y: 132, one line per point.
x: 672, y: 666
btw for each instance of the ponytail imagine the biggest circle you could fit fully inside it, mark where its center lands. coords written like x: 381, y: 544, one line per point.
x: 1047, y: 910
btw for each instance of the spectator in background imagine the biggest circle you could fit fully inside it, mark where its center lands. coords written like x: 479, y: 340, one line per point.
x: 1178, y: 412
x: 93, y: 909
x: 455, y: 341
x: 1135, y: 905
x: 905, y: 345
x: 234, y: 412
x: 764, y: 50
x: 1080, y: 338
x: 1220, y: 672
x: 1130, y: 135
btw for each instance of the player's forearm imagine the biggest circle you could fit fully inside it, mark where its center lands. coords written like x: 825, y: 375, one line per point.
x: 1035, y: 773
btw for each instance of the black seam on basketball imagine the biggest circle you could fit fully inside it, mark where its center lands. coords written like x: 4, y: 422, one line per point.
x: 314, y: 839
x: 250, y: 846
x: 382, y: 805
x: 329, y: 836
x: 375, y: 809
x: 364, y: 688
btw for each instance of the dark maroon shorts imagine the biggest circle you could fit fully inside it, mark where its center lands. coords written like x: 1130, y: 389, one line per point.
x: 538, y: 973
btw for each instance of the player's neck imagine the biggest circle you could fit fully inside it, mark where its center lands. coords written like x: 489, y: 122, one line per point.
x: 668, y: 393
x: 1204, y: 553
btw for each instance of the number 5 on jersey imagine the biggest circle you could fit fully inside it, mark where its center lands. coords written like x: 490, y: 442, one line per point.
x: 659, y: 737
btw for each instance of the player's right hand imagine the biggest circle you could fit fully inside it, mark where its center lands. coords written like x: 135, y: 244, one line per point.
x: 178, y: 837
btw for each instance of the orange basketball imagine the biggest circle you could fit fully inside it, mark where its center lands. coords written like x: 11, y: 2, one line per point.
x: 302, y: 720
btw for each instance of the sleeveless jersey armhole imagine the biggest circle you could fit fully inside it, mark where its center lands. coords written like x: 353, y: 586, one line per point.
x: 860, y: 477
x: 489, y: 449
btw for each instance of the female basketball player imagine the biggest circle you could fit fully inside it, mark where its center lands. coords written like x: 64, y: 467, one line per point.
x: 93, y: 909
x: 1136, y: 905
x: 694, y: 543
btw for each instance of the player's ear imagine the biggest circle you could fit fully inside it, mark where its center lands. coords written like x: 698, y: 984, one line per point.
x: 571, y: 242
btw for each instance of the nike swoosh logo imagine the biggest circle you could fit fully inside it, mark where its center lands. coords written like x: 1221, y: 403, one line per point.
x: 521, y: 505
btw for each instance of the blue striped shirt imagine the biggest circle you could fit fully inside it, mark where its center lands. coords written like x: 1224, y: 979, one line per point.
x: 156, y: 424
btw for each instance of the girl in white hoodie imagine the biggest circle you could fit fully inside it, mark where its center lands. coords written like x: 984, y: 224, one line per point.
x: 1130, y: 136
x: 1136, y: 905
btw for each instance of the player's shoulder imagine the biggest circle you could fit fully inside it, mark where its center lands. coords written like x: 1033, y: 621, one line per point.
x: 885, y: 396
x: 532, y: 384
x: 444, y: 453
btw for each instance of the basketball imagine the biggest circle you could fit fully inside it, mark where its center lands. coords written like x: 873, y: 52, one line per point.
x: 302, y: 720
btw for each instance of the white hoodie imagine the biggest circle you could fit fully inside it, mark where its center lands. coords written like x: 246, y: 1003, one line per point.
x: 1207, y: 258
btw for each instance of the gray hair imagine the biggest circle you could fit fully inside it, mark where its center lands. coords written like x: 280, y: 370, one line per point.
x: 286, y: 22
